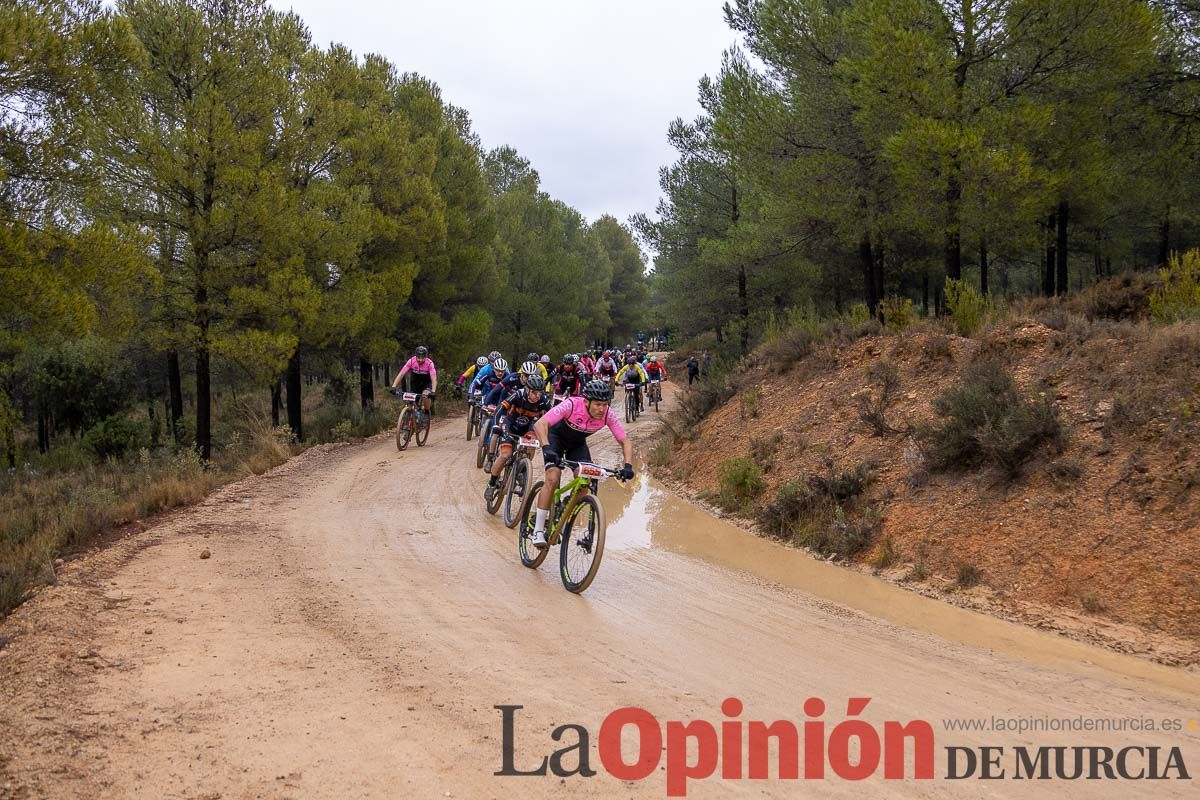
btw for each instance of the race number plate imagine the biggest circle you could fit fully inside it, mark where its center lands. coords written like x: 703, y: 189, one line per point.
x: 591, y: 471
x: 409, y: 397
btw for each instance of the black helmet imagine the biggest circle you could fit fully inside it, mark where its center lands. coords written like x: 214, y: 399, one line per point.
x: 422, y: 350
x: 535, y: 382
x: 492, y: 356
x: 531, y: 357
x: 597, y: 390
x: 569, y: 358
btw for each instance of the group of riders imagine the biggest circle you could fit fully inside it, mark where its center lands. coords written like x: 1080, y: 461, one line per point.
x: 560, y: 404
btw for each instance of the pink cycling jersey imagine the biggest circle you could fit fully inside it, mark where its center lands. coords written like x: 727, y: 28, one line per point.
x: 420, y: 369
x: 573, y: 414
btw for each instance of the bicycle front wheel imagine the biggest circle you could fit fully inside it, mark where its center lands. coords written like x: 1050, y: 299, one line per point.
x: 404, y: 428
x: 514, y: 498
x: 479, y: 449
x: 471, y: 422
x: 501, y: 492
x: 422, y: 429
x: 582, y: 544
x: 628, y: 407
x: 531, y: 556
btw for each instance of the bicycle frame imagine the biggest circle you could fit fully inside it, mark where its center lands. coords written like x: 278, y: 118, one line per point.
x: 572, y: 490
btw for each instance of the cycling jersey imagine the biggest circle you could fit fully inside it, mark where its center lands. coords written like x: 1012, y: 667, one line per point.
x: 567, y: 374
x: 501, y: 390
x: 467, y: 374
x: 418, y: 368
x: 657, y: 370
x: 521, y: 412
x: 606, y: 367
x: 632, y: 373
x: 571, y: 423
x: 485, y: 379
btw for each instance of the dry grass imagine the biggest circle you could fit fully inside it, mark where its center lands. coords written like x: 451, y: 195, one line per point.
x: 58, y: 509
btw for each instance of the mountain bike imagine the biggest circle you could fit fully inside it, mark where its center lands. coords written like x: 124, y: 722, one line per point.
x: 655, y: 393
x: 576, y: 521
x: 520, y: 446
x: 413, y: 421
x: 521, y: 467
x: 631, y: 405
x: 482, y: 431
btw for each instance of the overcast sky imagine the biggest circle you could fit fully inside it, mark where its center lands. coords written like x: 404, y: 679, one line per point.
x: 582, y: 88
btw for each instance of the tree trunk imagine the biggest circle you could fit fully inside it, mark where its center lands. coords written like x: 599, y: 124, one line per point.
x: 1164, y: 239
x: 293, y: 396
x: 983, y: 266
x: 366, y: 383
x: 203, y: 401
x: 867, y: 258
x: 925, y: 293
x: 175, y: 389
x: 1064, y: 214
x: 1048, y: 264
x: 744, y: 309
x: 953, y: 237
x: 203, y: 370
x: 43, y: 432
x: 276, y: 401
x: 1097, y: 263
x: 877, y: 259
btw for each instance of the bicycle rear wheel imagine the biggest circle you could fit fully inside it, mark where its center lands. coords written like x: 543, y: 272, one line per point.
x: 514, y: 496
x: 657, y: 397
x: 628, y: 407
x: 404, y: 428
x: 582, y: 544
x: 531, y: 556
x: 471, y: 416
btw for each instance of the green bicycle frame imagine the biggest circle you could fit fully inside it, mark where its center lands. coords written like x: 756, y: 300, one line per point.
x: 568, y: 490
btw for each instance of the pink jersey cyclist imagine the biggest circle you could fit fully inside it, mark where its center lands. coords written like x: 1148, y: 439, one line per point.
x: 570, y: 424
x: 421, y: 372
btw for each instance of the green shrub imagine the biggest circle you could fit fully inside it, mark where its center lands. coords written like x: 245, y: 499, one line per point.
x: 115, y: 437
x: 898, y: 312
x: 969, y: 576
x: 740, y: 480
x: 985, y: 420
x: 811, y: 512
x: 762, y: 450
x: 856, y: 314
x: 967, y: 306
x: 873, y: 405
x: 1179, y: 296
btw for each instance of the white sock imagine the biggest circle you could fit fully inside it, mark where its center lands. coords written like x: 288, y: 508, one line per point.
x: 540, y: 523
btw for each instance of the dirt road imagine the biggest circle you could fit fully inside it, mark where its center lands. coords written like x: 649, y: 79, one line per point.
x: 360, y: 616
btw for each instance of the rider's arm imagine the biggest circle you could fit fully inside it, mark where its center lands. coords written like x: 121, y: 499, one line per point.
x: 642, y: 370
x: 400, y: 375
x: 479, y: 376
x: 432, y: 376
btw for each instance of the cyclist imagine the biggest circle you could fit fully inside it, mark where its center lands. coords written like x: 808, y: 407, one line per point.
x: 655, y: 369
x: 633, y: 373
x: 488, y: 377
x: 469, y: 373
x: 606, y: 367
x: 422, y: 375
x: 566, y: 377
x: 541, y: 367
x: 516, y: 416
x: 509, y: 384
x: 563, y: 432
x: 588, y: 363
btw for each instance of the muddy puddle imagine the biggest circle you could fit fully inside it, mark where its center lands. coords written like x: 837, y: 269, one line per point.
x: 650, y: 515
